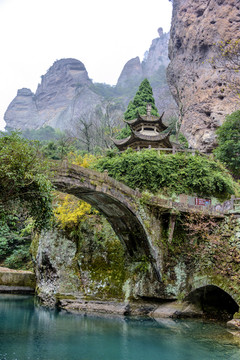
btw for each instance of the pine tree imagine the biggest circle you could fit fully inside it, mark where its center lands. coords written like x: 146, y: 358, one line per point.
x: 143, y: 96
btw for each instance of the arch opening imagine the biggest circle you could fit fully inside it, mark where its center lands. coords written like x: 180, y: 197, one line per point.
x: 116, y: 202
x: 214, y: 302
x: 125, y: 224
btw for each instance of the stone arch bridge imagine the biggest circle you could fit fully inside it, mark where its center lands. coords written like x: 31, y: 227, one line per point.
x: 133, y: 216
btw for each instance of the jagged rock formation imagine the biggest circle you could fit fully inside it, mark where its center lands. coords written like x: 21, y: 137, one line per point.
x: 22, y: 111
x: 156, y: 57
x: 132, y: 72
x: 200, y: 90
x: 152, y: 67
x: 66, y: 93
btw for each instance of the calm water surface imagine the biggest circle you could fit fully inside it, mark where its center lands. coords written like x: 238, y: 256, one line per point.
x: 29, y: 332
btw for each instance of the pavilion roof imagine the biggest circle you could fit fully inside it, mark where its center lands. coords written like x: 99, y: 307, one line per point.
x: 136, y: 136
x: 147, y: 119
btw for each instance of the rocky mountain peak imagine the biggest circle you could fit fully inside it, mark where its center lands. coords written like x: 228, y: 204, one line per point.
x: 132, y: 71
x: 66, y: 94
x: 157, y: 55
x: 154, y: 58
x: 160, y: 31
x: 24, y: 92
x: 61, y: 83
x: 70, y: 70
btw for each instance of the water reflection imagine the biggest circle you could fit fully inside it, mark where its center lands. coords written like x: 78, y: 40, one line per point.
x: 33, y: 332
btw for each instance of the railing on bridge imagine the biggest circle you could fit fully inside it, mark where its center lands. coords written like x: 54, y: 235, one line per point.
x: 229, y: 206
x: 187, y: 203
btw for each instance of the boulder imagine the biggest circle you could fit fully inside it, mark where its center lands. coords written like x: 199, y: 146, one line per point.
x: 234, y: 324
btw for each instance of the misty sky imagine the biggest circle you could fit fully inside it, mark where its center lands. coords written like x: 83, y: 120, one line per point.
x: 104, y: 35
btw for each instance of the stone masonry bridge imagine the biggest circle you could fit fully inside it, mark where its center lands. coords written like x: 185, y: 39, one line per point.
x: 123, y: 207
x: 133, y: 216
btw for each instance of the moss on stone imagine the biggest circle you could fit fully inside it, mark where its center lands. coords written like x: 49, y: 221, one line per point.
x: 206, y: 247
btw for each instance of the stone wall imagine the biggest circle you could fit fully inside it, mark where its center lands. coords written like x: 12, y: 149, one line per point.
x: 16, y: 281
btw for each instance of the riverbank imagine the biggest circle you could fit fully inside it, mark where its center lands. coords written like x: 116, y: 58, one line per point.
x: 173, y: 309
x: 24, y: 282
x: 155, y: 310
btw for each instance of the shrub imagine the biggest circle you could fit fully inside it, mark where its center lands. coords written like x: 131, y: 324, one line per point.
x: 228, y: 150
x: 178, y: 173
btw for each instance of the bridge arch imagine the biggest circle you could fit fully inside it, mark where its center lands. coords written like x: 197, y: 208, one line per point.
x: 213, y: 301
x: 116, y: 201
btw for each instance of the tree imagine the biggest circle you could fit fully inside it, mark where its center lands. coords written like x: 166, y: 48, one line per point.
x: 107, y: 125
x: 45, y: 133
x: 143, y: 96
x: 25, y: 198
x: 228, y: 150
x: 84, y: 128
x: 58, y: 149
x: 24, y: 180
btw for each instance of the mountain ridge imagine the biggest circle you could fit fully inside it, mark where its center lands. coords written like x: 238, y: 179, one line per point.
x: 66, y: 93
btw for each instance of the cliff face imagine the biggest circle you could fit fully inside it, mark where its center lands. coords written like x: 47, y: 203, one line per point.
x: 201, y: 90
x: 157, y: 55
x: 62, y: 97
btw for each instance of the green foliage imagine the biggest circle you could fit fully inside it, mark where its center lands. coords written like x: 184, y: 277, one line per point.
x: 143, y: 97
x: 52, y: 143
x: 124, y: 132
x: 228, y: 150
x: 104, y: 90
x: 158, y: 79
x: 45, y: 133
x: 58, y: 149
x: 25, y: 198
x: 15, y: 240
x: 23, y: 179
x: 178, y: 173
x: 182, y: 140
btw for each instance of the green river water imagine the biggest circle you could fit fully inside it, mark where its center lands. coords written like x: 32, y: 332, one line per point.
x: 31, y: 332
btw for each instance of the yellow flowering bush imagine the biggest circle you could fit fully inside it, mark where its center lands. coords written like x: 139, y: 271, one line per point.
x: 70, y: 211
x: 85, y: 160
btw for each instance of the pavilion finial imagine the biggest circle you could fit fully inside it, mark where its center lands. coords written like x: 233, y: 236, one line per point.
x: 149, y: 109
